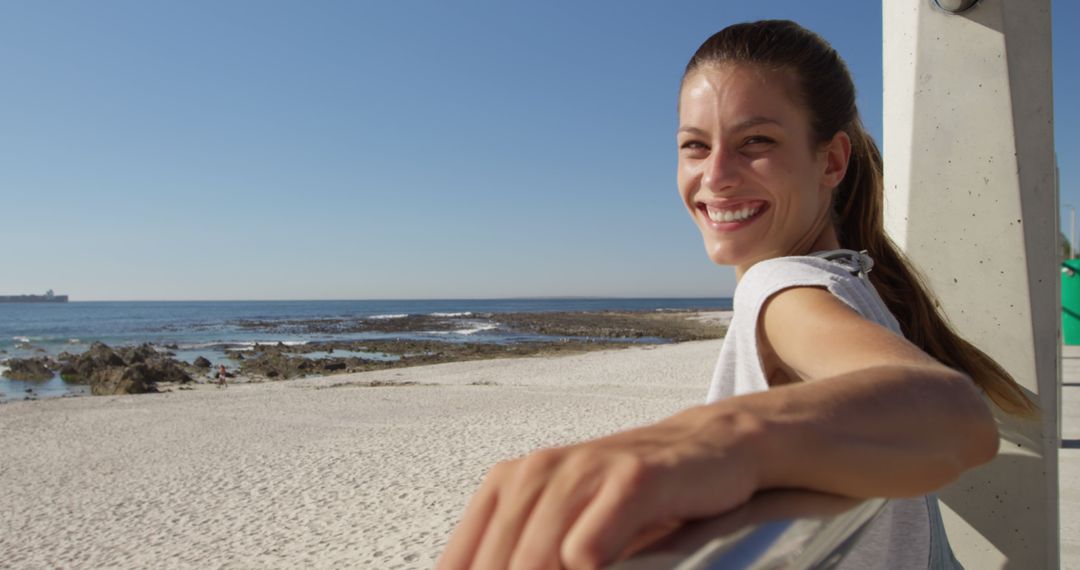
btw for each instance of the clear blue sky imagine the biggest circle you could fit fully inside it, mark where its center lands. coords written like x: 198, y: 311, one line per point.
x: 363, y: 150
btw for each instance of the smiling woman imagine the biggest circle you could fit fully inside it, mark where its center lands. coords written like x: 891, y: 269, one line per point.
x: 837, y: 374
x: 748, y: 171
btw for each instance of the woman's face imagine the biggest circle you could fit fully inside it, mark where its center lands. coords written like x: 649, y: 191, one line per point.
x: 748, y: 173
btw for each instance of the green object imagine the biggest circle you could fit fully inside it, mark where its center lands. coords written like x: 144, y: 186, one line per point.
x: 1070, y: 301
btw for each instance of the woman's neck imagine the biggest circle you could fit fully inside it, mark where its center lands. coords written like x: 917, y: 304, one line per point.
x: 826, y: 240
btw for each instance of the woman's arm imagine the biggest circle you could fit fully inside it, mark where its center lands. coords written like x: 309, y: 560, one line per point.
x: 889, y: 431
x: 874, y: 417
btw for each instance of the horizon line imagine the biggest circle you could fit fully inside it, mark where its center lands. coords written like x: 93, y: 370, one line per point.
x: 514, y: 298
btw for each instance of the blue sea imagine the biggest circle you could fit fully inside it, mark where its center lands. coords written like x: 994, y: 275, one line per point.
x: 208, y: 328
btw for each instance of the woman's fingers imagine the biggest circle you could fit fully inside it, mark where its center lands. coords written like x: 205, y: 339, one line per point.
x: 648, y: 536
x: 623, y: 507
x: 466, y: 537
x: 502, y: 533
x: 568, y: 493
x: 519, y: 486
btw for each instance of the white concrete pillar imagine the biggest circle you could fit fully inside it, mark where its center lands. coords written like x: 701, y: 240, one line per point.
x: 970, y: 197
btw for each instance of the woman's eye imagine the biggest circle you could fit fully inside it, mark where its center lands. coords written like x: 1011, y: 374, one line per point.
x: 692, y: 145
x: 758, y: 140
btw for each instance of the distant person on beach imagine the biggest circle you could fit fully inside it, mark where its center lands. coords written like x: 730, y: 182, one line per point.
x: 838, y: 373
x: 221, y: 376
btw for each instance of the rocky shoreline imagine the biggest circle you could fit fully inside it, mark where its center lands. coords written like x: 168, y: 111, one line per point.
x: 149, y: 368
x: 107, y: 370
x: 665, y: 325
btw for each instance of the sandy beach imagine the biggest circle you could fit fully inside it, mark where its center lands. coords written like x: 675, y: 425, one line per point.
x: 365, y: 470
x: 336, y: 472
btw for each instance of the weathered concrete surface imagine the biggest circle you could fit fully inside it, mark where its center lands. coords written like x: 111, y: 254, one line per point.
x: 971, y: 198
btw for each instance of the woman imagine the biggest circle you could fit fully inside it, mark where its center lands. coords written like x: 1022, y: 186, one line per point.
x: 837, y: 373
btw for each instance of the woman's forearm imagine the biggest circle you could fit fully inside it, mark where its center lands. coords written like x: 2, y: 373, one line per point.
x: 894, y: 431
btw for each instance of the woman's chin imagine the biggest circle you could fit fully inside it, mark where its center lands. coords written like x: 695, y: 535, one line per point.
x: 739, y: 258
x: 723, y: 255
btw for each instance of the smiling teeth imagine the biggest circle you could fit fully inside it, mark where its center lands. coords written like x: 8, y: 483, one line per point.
x: 731, y: 215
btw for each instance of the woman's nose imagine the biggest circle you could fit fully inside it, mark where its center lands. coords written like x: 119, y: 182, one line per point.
x: 720, y: 170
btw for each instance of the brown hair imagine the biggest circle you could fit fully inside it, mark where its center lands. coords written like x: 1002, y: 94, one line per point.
x: 828, y: 93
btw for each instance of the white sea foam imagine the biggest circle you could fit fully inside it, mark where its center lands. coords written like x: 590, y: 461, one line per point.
x: 207, y: 345
x: 20, y: 339
x: 73, y: 341
x: 478, y: 328
x: 253, y: 344
x: 385, y: 317
x: 244, y: 345
x: 465, y: 314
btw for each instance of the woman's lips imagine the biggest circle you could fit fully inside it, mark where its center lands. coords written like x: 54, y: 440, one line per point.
x: 731, y: 216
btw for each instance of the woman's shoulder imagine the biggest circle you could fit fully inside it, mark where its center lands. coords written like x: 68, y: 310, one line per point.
x: 771, y: 275
x: 841, y: 272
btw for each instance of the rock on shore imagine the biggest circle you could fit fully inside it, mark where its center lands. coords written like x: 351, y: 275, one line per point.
x: 38, y: 368
x: 131, y: 370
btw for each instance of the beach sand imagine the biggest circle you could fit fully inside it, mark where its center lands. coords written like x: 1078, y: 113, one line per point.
x: 331, y: 472
x: 319, y: 473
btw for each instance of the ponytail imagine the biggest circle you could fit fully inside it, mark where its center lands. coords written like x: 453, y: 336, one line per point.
x: 859, y: 211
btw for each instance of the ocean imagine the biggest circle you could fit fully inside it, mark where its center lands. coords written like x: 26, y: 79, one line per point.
x: 207, y: 328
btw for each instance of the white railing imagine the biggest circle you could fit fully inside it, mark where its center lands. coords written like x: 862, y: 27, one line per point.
x: 791, y: 530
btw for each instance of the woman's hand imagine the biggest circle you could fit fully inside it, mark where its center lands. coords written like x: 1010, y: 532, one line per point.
x: 589, y: 504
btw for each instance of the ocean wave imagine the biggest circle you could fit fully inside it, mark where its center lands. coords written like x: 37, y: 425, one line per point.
x: 474, y: 330
x: 478, y: 328
x: 385, y: 317
x: 275, y: 342
x: 465, y: 314
x: 207, y: 345
x: 237, y: 345
x: 36, y: 339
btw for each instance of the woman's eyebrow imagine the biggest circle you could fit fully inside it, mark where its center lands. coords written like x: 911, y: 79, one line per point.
x: 741, y: 126
x: 755, y: 121
x: 693, y: 131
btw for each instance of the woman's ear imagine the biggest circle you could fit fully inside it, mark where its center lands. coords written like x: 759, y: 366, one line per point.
x: 837, y: 154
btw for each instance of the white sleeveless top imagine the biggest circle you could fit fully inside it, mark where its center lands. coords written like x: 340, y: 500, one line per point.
x: 908, y: 533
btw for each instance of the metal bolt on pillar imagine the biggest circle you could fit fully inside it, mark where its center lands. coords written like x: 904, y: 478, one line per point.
x: 955, y: 6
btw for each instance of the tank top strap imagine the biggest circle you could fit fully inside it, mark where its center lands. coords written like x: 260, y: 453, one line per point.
x: 858, y: 263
